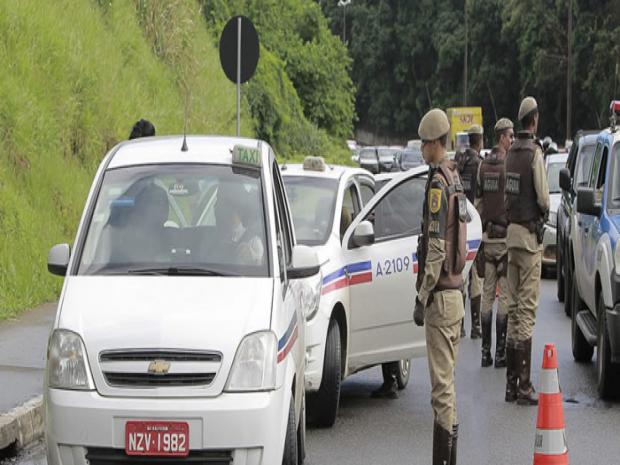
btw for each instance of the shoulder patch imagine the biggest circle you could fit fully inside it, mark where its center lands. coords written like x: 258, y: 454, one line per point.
x: 434, y: 200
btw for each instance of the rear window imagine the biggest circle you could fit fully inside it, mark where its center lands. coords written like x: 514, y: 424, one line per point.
x: 368, y: 154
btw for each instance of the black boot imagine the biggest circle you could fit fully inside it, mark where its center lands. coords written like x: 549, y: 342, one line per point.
x: 475, y: 318
x: 501, y: 326
x: 389, y: 388
x: 442, y: 445
x: 511, y: 372
x: 526, y: 394
x: 487, y: 327
x: 455, y: 437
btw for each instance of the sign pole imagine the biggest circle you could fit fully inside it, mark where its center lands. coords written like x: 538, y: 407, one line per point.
x: 238, y: 76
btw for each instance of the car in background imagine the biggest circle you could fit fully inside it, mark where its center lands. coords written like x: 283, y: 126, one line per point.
x: 387, y: 159
x: 368, y: 159
x: 553, y: 164
x: 596, y: 276
x: 409, y: 158
x: 181, y: 341
x: 573, y: 176
x: 367, y: 245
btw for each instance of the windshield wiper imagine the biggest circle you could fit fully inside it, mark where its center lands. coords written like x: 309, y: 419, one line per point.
x: 180, y: 271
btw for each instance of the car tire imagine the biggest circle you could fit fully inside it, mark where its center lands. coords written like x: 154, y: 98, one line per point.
x: 290, y: 456
x: 568, y: 290
x: 559, y: 271
x: 323, y: 404
x: 607, y: 372
x: 301, y: 433
x: 582, y: 351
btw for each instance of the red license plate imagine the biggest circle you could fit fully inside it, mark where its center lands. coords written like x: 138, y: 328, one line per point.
x: 160, y: 438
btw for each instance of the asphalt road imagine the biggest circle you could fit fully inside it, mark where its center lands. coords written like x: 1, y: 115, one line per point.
x: 370, y: 431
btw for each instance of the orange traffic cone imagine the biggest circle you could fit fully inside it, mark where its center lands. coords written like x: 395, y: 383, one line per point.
x: 550, y: 447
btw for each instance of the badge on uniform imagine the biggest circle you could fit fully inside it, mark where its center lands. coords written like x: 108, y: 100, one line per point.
x: 434, y: 201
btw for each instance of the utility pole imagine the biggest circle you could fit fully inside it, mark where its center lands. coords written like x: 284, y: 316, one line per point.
x: 569, y: 69
x: 343, y: 4
x: 466, y: 57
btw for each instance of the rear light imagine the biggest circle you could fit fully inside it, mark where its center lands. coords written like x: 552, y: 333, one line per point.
x: 614, y: 107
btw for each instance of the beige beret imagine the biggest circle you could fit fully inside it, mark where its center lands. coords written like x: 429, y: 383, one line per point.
x: 475, y: 129
x: 503, y: 123
x: 528, y: 105
x: 434, y: 125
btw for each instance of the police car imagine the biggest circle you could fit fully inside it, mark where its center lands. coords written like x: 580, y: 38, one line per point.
x: 180, y: 334
x: 366, y: 245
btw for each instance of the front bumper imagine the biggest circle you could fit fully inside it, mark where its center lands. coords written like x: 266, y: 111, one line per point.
x: 549, y: 246
x: 248, y: 428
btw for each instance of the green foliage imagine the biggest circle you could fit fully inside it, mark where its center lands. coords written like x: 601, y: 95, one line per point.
x: 75, y: 79
x: 409, y: 56
x: 302, y: 92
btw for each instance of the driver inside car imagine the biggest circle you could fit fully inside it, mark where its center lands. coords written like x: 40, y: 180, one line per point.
x: 235, y: 226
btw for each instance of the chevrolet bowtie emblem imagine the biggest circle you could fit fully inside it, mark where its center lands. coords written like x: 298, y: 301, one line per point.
x: 159, y: 367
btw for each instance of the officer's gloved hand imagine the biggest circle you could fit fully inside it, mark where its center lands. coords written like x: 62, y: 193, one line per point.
x: 418, y: 313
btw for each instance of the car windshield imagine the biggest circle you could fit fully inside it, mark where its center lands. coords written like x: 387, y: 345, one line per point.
x: 178, y: 219
x: 553, y: 176
x: 614, y: 188
x: 387, y: 154
x: 312, y: 201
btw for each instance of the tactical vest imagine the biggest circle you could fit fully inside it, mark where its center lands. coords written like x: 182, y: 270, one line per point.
x: 468, y: 170
x: 492, y: 185
x: 456, y: 228
x: 521, y: 201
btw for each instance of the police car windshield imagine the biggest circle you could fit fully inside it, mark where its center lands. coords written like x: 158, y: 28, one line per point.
x: 553, y: 177
x: 312, y: 202
x: 205, y: 220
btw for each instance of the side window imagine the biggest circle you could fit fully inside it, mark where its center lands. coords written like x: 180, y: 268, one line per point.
x: 600, y: 181
x: 350, y: 208
x: 596, y: 163
x: 283, y: 232
x: 367, y: 191
x: 399, y: 213
x: 583, y: 164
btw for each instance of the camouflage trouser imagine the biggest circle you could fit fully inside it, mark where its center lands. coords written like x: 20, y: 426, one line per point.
x: 524, y: 286
x: 493, y: 252
x: 442, y: 341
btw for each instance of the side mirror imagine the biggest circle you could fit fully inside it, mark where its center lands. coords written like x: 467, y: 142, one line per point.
x: 364, y: 234
x: 58, y: 259
x: 565, y: 180
x: 586, y: 203
x: 305, y: 263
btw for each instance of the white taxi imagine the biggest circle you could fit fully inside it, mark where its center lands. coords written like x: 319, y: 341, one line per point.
x: 366, y: 245
x: 179, y: 332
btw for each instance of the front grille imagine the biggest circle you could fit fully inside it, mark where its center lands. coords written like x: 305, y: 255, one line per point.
x: 104, y: 456
x: 169, y: 355
x: 152, y: 380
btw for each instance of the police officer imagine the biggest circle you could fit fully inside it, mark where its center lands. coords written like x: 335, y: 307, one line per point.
x: 468, y: 165
x: 527, y: 206
x: 142, y: 128
x: 492, y: 261
x: 441, y: 255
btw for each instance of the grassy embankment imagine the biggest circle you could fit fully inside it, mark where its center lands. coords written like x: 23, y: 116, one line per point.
x: 75, y: 76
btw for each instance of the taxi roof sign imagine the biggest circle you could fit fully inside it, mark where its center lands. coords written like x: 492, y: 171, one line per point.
x: 314, y: 164
x: 248, y: 156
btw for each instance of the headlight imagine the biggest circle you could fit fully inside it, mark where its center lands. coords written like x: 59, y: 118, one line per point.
x: 67, y: 367
x: 617, y: 257
x: 311, y: 295
x: 254, y: 367
x: 553, y: 219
